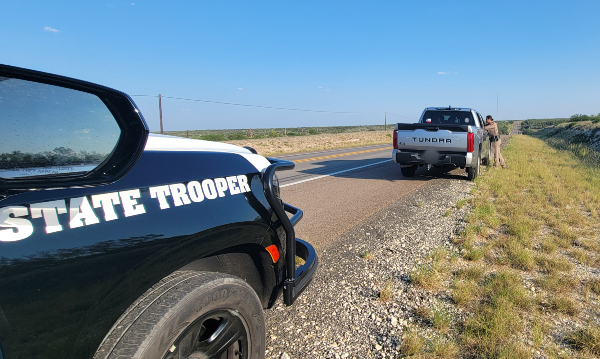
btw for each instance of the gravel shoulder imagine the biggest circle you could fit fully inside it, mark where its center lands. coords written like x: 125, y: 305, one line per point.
x: 341, y: 315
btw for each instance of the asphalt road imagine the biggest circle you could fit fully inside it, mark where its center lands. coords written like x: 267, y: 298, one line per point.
x: 516, y: 128
x: 339, y: 188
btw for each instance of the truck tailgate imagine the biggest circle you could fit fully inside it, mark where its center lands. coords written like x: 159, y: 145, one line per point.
x: 419, y: 137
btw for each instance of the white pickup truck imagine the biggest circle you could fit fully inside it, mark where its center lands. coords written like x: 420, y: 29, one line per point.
x: 444, y: 136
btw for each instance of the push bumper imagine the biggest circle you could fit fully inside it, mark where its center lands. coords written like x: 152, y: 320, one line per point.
x: 296, y: 279
x: 303, y: 275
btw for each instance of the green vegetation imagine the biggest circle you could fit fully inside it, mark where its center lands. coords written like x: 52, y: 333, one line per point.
x: 367, y: 255
x: 387, y: 291
x: 528, y: 228
x: 586, y: 339
x: 531, y: 126
x: 505, y: 127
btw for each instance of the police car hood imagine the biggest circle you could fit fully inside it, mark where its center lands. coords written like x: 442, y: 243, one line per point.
x: 158, y: 142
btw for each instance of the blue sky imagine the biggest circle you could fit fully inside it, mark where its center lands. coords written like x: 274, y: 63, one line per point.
x: 541, y: 58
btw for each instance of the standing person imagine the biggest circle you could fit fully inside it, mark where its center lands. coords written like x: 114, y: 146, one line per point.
x: 494, y: 135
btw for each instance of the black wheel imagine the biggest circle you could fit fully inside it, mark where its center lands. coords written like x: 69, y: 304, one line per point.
x: 473, y: 172
x: 487, y: 160
x: 408, y: 171
x: 190, y: 315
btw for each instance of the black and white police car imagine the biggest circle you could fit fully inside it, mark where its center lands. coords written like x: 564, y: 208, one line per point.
x: 119, y: 244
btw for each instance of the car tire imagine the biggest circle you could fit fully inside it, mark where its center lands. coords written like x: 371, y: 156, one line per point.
x: 190, y: 314
x: 473, y: 171
x: 408, y: 171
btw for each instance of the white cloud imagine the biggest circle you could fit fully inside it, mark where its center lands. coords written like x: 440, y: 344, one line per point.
x: 240, y: 88
x: 320, y: 87
x: 442, y: 72
x: 85, y: 130
x: 48, y: 28
x: 456, y: 73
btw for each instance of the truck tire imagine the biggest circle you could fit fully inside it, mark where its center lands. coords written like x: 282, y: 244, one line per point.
x: 486, y: 161
x: 190, y: 315
x: 408, y: 171
x: 473, y: 171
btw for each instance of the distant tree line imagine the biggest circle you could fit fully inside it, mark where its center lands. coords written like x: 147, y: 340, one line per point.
x: 60, y: 156
x: 534, y: 125
x: 505, y: 127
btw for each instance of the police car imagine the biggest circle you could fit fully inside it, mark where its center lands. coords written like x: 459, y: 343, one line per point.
x: 117, y: 243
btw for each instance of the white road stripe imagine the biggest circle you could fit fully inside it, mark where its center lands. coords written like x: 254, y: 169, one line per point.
x: 334, y: 173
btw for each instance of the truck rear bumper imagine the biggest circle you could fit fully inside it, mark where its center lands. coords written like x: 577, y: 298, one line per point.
x: 432, y: 157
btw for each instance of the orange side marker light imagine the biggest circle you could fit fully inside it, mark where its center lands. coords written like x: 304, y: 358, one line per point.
x: 272, y: 249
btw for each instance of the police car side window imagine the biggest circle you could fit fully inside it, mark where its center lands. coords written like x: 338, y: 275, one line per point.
x: 48, y: 130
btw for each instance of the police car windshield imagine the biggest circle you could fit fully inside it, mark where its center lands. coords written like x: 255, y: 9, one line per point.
x: 448, y: 117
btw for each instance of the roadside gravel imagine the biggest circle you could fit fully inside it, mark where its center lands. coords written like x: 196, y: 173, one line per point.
x: 340, y: 315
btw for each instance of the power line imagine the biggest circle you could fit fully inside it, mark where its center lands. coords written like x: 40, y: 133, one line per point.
x: 257, y: 106
x: 389, y: 113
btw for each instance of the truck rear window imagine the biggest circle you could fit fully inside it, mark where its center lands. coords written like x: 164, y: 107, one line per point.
x: 448, y: 117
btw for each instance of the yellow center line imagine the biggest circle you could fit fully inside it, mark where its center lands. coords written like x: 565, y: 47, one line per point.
x: 341, y: 154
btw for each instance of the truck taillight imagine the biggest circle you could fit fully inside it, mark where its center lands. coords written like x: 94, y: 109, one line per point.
x: 470, y: 142
x: 395, y: 144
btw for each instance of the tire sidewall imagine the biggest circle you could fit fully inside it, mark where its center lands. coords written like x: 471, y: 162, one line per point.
x: 224, y: 292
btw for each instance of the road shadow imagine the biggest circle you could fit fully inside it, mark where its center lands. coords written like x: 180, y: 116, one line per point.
x: 388, y: 171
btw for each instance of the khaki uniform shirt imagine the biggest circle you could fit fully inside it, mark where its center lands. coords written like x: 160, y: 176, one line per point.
x: 492, y: 129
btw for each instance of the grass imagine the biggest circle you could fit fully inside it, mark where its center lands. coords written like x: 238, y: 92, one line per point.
x: 556, y: 283
x: 441, y: 347
x: 439, y: 317
x: 464, y: 292
x: 538, y: 332
x: 583, y: 256
x: 387, y: 291
x: 586, y: 339
x: 470, y: 273
x: 367, y: 255
x: 460, y: 204
x: 425, y: 276
x: 563, y: 304
x: 552, y: 264
x: 533, y: 223
x: 594, y: 285
x: 412, y: 343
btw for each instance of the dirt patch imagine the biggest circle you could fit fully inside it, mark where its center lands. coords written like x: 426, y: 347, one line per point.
x: 278, y: 145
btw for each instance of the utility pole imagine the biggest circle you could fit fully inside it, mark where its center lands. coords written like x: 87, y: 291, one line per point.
x: 160, y: 112
x: 385, y: 121
x: 497, y: 108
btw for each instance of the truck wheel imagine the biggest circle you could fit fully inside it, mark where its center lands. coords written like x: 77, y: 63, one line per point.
x: 190, y: 315
x: 473, y: 171
x: 408, y: 171
x: 486, y: 161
